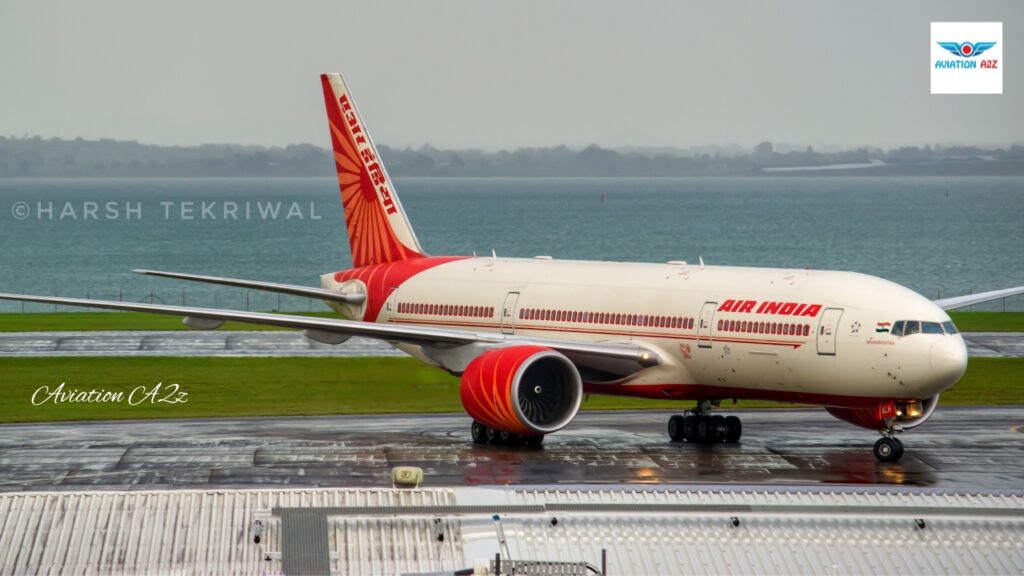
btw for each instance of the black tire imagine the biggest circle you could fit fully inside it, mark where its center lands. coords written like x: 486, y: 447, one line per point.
x: 675, y: 428
x: 493, y: 436
x: 705, y: 429
x: 719, y: 427
x: 479, y: 433
x: 888, y: 449
x: 690, y: 428
x: 533, y: 440
x: 507, y: 438
x: 733, y: 429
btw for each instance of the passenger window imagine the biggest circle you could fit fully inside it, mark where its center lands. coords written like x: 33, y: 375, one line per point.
x: 897, y: 328
x: 912, y: 327
x: 931, y: 328
x: 950, y: 328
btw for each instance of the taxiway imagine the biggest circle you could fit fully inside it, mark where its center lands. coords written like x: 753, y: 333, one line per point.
x: 976, y: 448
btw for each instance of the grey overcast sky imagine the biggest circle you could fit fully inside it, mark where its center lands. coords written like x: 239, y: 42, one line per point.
x: 499, y: 74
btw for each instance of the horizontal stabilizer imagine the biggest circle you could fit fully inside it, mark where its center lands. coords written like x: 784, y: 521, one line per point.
x: 295, y: 290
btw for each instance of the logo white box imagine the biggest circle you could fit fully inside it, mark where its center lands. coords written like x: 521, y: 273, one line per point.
x: 968, y: 71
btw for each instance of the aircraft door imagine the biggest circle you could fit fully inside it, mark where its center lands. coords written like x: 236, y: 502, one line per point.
x: 508, y: 313
x: 827, y: 329
x: 707, y: 314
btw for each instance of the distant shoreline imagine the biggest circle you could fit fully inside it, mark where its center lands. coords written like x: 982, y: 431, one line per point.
x: 35, y: 157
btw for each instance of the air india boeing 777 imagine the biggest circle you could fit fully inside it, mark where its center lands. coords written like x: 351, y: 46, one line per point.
x: 530, y: 336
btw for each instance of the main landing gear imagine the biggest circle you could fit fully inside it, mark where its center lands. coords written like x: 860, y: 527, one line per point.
x: 699, y: 426
x: 483, y: 434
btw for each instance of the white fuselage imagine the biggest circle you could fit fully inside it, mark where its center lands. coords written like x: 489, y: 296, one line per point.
x: 722, y: 332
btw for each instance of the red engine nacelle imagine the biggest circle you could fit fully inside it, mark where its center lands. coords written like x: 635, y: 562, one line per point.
x: 522, y: 389
x: 907, y: 414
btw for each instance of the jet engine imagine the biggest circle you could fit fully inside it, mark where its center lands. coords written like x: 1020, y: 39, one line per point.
x: 907, y: 414
x: 527, y: 390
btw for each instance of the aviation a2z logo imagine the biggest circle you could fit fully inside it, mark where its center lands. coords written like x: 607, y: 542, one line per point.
x: 967, y: 50
x: 966, y: 58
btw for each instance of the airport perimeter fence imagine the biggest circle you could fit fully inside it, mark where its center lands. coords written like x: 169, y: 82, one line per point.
x: 255, y: 300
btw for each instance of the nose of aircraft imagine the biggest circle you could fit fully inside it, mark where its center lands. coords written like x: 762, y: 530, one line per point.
x: 948, y: 361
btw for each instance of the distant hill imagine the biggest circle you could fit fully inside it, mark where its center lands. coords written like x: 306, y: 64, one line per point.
x: 34, y: 157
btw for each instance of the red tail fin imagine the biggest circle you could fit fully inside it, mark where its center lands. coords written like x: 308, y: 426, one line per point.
x: 378, y: 229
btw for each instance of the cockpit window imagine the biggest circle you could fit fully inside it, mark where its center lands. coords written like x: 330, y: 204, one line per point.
x: 909, y: 327
x: 897, y: 328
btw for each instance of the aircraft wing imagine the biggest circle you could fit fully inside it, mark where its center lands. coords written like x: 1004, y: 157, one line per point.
x: 970, y: 299
x: 626, y: 357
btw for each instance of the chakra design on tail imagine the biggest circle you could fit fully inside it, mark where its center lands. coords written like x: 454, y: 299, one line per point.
x: 378, y: 230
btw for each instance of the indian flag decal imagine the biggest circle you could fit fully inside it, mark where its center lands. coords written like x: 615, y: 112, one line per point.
x: 883, y: 326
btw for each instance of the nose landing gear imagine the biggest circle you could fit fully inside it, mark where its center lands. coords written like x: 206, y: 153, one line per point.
x: 699, y: 426
x: 888, y: 449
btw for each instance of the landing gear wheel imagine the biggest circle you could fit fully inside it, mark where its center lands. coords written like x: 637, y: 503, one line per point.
x: 719, y: 427
x: 675, y: 428
x: 690, y: 428
x: 479, y: 433
x: 706, y: 429
x: 733, y: 429
x: 533, y: 440
x: 493, y: 436
x: 888, y: 449
x: 507, y: 438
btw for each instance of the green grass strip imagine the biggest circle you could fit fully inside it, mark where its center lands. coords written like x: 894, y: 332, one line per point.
x: 231, y: 387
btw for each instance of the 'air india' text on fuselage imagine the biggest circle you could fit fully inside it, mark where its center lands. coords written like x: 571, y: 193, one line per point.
x: 770, y: 307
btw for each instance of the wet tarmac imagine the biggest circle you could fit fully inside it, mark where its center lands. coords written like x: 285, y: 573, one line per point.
x: 284, y: 343
x: 995, y: 344
x: 958, y: 448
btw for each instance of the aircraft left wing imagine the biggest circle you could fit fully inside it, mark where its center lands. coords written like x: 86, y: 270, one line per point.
x: 970, y: 299
x: 627, y: 357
